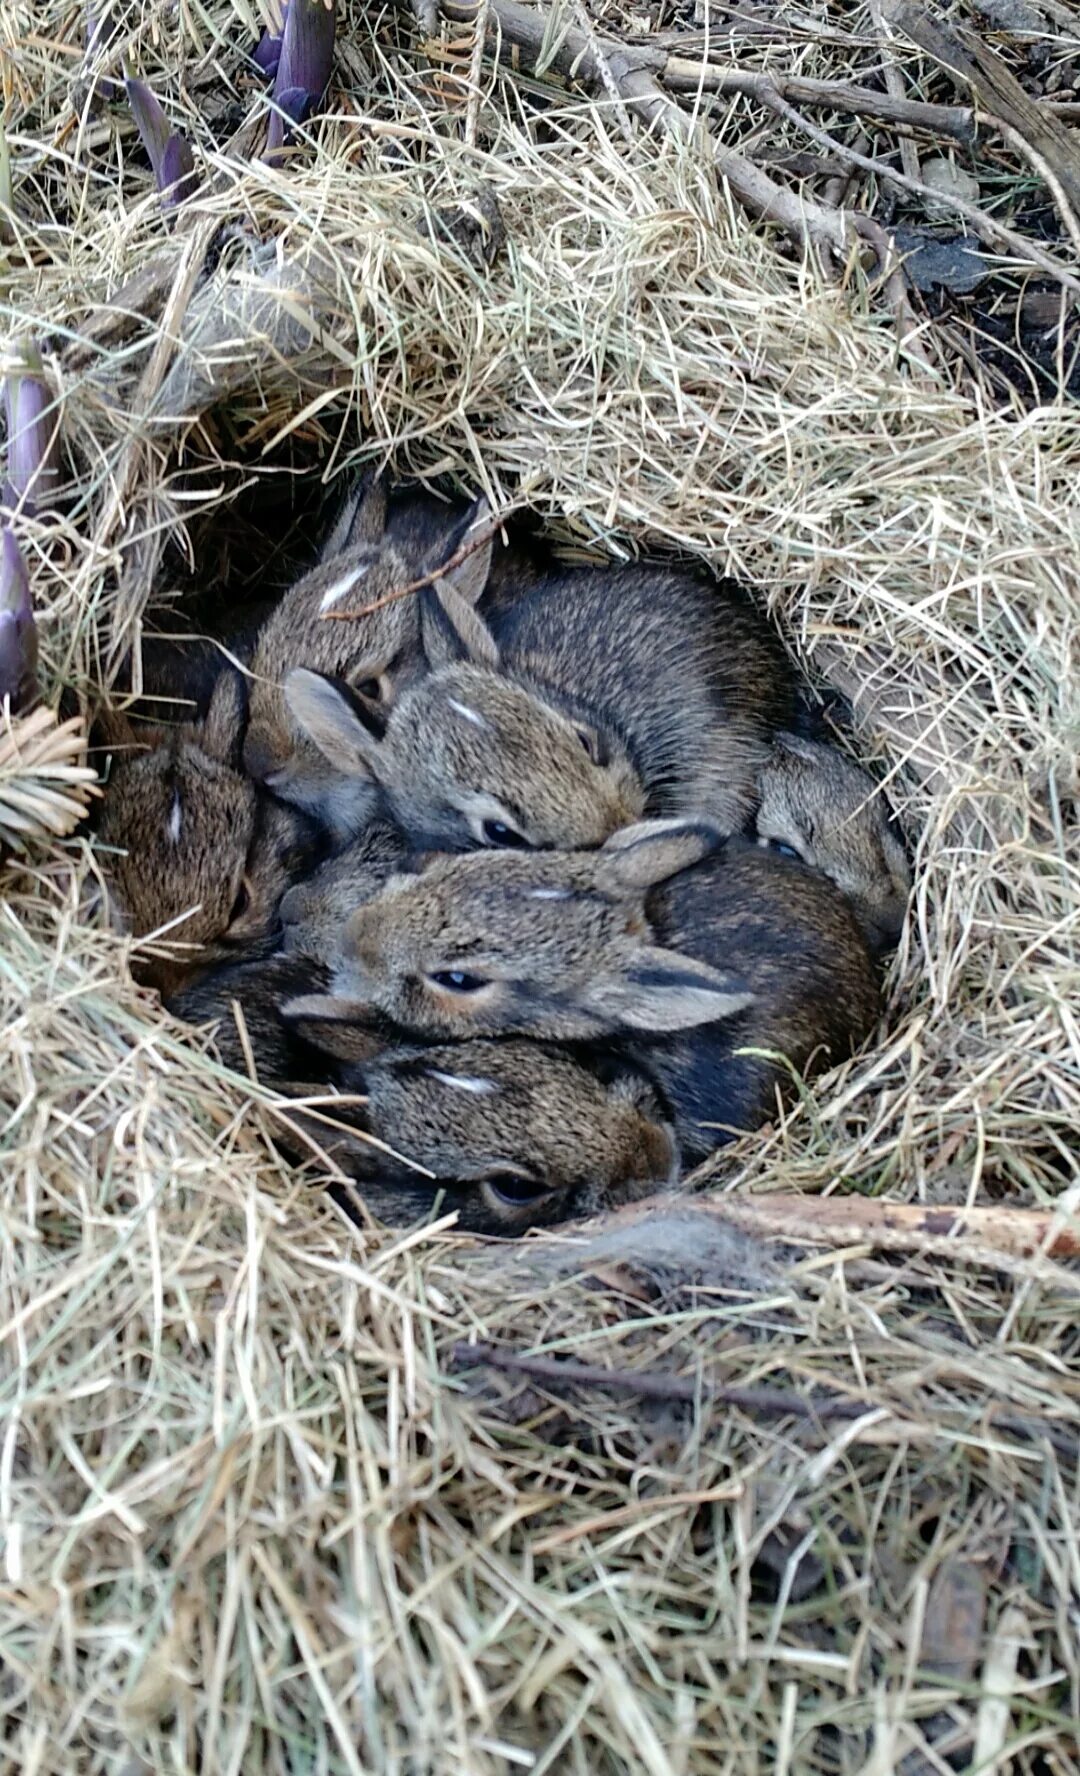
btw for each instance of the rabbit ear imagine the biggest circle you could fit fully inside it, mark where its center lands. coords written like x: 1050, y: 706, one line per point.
x: 798, y: 747
x: 331, y: 1024
x: 652, y: 850
x: 113, y: 731
x: 368, y: 524
x: 222, y: 734
x: 663, y: 990
x: 332, y: 723
x: 470, y: 575
x: 452, y: 632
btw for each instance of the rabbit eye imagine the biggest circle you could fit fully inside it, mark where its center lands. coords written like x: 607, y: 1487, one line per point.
x: 371, y: 688
x: 242, y: 903
x: 593, y: 745
x: 516, y: 1189
x: 784, y: 850
x: 496, y: 832
x: 455, y: 980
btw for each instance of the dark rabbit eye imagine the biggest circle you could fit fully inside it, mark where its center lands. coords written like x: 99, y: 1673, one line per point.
x: 496, y: 832
x: 371, y: 688
x: 516, y: 1189
x: 242, y: 903
x: 783, y: 850
x: 593, y: 745
x: 455, y: 980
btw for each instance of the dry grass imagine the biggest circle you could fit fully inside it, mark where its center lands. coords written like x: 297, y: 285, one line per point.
x: 256, y: 1516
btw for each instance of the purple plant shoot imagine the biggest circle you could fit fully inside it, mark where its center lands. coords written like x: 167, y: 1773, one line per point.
x: 18, y: 631
x: 32, y: 432
x: 304, y: 69
x: 267, y: 52
x: 170, y: 153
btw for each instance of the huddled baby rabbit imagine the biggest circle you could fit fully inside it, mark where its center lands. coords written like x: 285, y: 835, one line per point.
x: 591, y: 699
x: 719, y: 967
x: 374, y: 556
x: 189, y: 845
x: 513, y: 1133
x: 665, y: 911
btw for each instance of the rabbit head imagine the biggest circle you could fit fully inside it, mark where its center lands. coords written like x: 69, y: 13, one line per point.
x: 534, y: 1135
x: 369, y: 656
x: 189, y: 841
x: 557, y: 945
x: 315, y: 912
x: 471, y: 758
x: 819, y: 805
x: 515, y: 1133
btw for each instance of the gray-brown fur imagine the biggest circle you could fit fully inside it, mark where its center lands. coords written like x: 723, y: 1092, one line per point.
x: 315, y: 912
x: 833, y: 814
x: 593, y: 698
x: 515, y: 1133
x: 374, y: 550
x: 186, y: 837
x: 684, y: 965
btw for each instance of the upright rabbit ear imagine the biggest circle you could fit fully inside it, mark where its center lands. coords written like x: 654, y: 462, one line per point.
x: 639, y: 856
x: 222, y: 733
x: 469, y: 576
x: 367, y: 525
x: 332, y: 723
x: 452, y: 632
x: 331, y: 1024
x: 663, y: 990
x: 114, y: 732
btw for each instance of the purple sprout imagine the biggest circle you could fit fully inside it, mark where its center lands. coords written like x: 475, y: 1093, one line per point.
x: 303, y: 70
x: 267, y: 52
x: 102, y: 29
x: 18, y: 631
x: 32, y: 434
x: 170, y: 153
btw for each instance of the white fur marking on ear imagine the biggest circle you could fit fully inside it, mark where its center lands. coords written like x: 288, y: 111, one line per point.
x: 337, y: 591
x: 480, y: 1088
x: 469, y: 714
x: 172, y: 828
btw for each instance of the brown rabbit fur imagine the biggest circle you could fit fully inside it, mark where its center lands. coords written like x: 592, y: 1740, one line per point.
x: 686, y: 965
x: 833, y: 815
x: 592, y: 698
x: 188, y: 838
x: 516, y: 1134
x: 374, y: 550
x: 315, y: 912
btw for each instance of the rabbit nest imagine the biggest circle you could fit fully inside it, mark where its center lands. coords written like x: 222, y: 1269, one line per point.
x: 260, y: 1509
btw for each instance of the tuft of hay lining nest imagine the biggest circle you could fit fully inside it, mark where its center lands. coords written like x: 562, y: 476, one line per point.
x: 258, y: 1511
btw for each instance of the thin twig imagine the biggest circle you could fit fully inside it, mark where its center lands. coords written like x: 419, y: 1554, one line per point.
x: 956, y: 121
x: 650, y: 1384
x: 985, y: 225
x: 467, y: 548
x: 633, y: 71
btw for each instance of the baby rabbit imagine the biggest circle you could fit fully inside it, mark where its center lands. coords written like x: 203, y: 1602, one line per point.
x: 513, y: 1134
x: 314, y: 912
x: 687, y: 966
x: 371, y: 555
x: 594, y: 697
x: 189, y: 842
x: 820, y: 806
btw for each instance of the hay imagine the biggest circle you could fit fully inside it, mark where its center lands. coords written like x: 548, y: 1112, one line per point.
x: 257, y: 1516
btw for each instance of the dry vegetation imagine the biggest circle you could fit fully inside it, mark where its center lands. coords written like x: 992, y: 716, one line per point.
x: 259, y: 1513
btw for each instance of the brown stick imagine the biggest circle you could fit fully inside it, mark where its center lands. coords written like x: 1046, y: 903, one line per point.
x: 1051, y: 147
x: 957, y: 121
x: 634, y: 71
x: 896, y: 1227
x: 649, y: 1384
